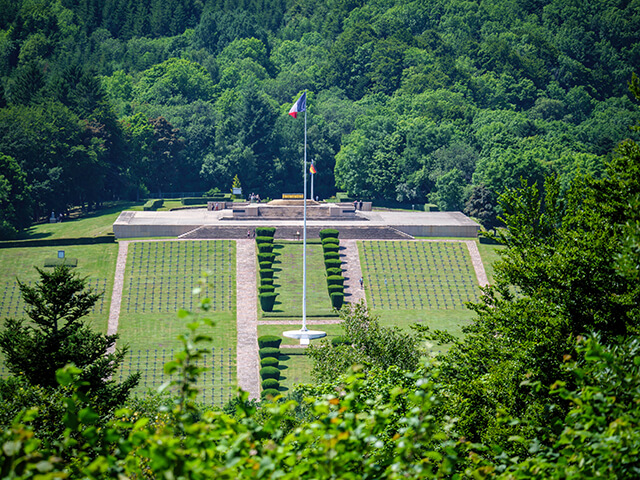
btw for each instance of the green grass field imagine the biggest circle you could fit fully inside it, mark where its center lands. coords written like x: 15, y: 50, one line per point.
x: 97, y: 262
x: 405, y: 282
x: 159, y: 280
x: 288, y: 282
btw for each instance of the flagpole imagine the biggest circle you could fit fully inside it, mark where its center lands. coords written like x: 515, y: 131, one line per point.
x: 304, y: 229
x: 304, y: 335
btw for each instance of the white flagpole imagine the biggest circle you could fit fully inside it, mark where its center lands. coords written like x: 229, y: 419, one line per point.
x: 304, y: 229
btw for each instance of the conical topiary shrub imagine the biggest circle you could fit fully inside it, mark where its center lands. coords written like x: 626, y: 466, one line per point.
x: 337, y: 299
x: 267, y: 301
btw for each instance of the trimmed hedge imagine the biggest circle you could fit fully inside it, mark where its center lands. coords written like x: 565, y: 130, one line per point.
x: 56, y: 262
x: 337, y: 299
x: 264, y: 239
x: 270, y: 372
x: 334, y: 271
x: 266, y: 288
x: 335, y: 288
x: 329, y: 255
x: 270, y: 383
x: 329, y: 232
x: 267, y: 301
x: 153, y: 205
x: 266, y: 257
x: 265, y: 247
x: 330, y: 247
x: 269, y: 362
x: 270, y: 392
x: 330, y: 240
x: 265, y: 231
x: 335, y: 280
x: 269, y: 352
x: 200, y: 200
x: 340, y: 340
x: 269, y: 341
x: 266, y: 281
x: 332, y: 263
x: 266, y: 272
x: 266, y: 265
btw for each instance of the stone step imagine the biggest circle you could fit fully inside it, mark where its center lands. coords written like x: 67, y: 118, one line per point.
x: 350, y: 232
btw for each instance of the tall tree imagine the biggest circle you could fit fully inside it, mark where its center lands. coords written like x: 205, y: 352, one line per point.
x: 58, y: 335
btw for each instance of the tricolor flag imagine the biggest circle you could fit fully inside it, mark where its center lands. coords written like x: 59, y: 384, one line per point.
x: 312, y: 168
x: 299, y: 106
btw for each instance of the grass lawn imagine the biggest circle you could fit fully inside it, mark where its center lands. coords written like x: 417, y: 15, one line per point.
x: 294, y: 369
x: 419, y: 282
x: 92, y: 224
x: 159, y: 280
x: 97, y: 262
x: 288, y: 282
x: 490, y: 254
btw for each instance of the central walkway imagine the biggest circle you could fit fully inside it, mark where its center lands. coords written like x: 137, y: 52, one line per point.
x: 248, y: 362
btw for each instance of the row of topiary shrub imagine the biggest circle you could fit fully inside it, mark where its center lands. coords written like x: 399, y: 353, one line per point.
x: 332, y: 263
x: 153, y: 205
x: 266, y: 257
x: 269, y: 351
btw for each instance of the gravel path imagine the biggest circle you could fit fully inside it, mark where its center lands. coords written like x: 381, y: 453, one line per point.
x: 476, y: 260
x: 353, y: 272
x: 248, y: 362
x: 116, y: 294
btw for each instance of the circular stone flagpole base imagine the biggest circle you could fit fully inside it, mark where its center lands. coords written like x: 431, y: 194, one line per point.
x: 304, y: 335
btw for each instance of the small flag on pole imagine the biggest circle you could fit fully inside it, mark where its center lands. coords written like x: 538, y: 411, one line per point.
x: 312, y: 168
x: 299, y: 106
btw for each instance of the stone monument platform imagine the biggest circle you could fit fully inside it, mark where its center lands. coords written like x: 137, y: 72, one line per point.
x: 287, y: 218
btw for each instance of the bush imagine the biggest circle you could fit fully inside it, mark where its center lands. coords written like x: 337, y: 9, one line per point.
x: 266, y: 257
x: 337, y: 299
x: 269, y: 362
x: 265, y: 231
x: 340, y: 340
x: 335, y: 288
x: 329, y: 232
x: 270, y: 392
x: 330, y: 240
x: 267, y: 301
x: 265, y: 247
x: 335, y: 280
x: 266, y: 272
x: 269, y: 352
x: 266, y: 281
x: 332, y: 263
x: 266, y: 265
x: 266, y: 288
x: 264, y: 239
x: 334, y: 271
x: 344, y: 197
x: 153, y: 205
x: 56, y: 262
x: 329, y: 255
x: 270, y: 383
x: 330, y: 247
x: 200, y: 200
x: 269, y: 341
x: 270, y: 372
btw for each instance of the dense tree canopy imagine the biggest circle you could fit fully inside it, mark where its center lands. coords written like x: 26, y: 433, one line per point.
x: 400, y: 95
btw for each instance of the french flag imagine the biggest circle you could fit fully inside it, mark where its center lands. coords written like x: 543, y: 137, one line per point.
x: 299, y: 106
